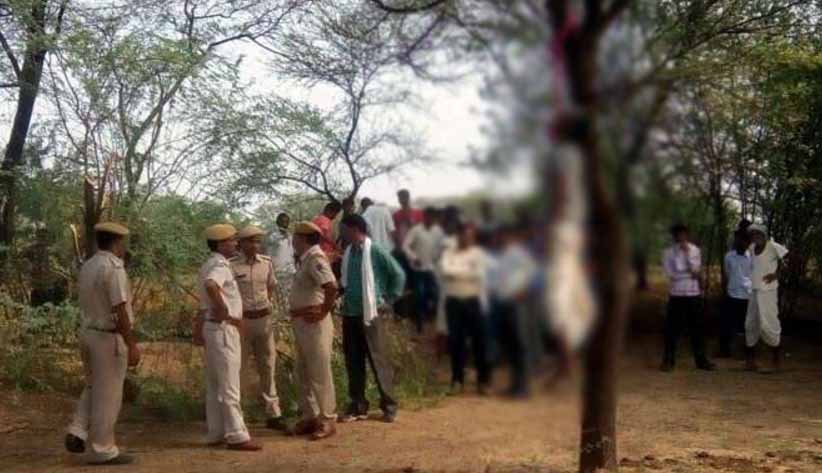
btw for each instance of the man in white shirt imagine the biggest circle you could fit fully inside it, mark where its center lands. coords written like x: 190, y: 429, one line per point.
x: 421, y: 247
x: 107, y: 346
x: 282, y: 249
x: 736, y: 279
x: 462, y: 268
x: 762, y: 319
x: 380, y: 223
x: 682, y: 263
x: 282, y: 256
x: 221, y: 309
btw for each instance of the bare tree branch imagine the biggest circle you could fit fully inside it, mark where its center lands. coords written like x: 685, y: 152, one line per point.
x: 15, y: 66
x: 411, y: 9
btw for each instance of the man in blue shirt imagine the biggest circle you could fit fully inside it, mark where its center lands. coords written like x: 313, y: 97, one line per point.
x: 736, y: 277
x: 369, y: 289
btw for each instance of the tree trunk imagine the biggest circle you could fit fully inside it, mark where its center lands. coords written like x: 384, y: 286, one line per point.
x: 608, y: 253
x: 91, y: 216
x: 29, y: 87
x: 609, y: 256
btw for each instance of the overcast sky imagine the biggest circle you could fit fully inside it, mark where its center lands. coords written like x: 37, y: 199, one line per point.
x: 448, y: 117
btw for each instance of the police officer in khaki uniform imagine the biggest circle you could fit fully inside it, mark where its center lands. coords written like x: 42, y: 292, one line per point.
x: 221, y: 307
x: 312, y: 298
x: 254, y: 273
x: 107, y: 347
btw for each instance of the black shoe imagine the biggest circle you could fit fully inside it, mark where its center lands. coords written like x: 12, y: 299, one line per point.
x: 354, y: 413
x: 456, y: 389
x: 389, y: 416
x: 706, y: 366
x: 482, y: 389
x: 666, y: 367
x: 516, y: 393
x: 121, y: 459
x: 75, y: 444
x: 276, y: 423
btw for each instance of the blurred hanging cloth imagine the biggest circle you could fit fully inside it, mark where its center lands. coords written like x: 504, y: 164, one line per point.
x: 569, y: 301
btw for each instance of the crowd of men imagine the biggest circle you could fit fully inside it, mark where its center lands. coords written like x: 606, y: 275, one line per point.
x: 750, y: 279
x: 359, y: 269
x: 481, y: 285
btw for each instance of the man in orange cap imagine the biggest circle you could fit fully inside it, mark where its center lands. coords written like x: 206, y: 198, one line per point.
x: 107, y: 346
x: 254, y: 273
x: 222, y: 308
x: 313, y: 294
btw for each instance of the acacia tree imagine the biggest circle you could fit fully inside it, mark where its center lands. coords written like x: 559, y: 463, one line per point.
x: 132, y: 87
x: 673, y: 40
x: 283, y: 145
x: 29, y: 31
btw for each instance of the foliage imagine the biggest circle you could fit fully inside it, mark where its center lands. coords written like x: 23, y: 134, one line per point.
x: 33, y: 342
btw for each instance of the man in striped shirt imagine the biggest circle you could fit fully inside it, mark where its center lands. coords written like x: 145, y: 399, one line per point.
x: 682, y: 263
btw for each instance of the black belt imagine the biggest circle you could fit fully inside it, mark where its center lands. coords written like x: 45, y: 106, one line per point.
x: 256, y: 314
x: 234, y: 322
x: 102, y: 330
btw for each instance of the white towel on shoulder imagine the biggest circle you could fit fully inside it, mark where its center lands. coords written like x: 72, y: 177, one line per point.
x: 369, y: 293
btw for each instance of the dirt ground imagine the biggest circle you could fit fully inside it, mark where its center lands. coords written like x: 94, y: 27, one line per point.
x: 686, y: 421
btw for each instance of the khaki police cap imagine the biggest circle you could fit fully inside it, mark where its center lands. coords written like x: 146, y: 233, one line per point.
x: 111, y: 227
x: 306, y: 228
x: 250, y: 231
x: 220, y: 232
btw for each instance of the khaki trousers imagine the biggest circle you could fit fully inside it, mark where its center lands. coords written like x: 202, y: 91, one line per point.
x: 282, y: 293
x: 258, y: 340
x: 105, y: 360
x: 314, y: 347
x: 224, y: 414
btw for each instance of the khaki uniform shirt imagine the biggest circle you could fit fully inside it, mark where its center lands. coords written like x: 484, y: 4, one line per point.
x: 218, y: 269
x: 313, y: 271
x: 103, y: 285
x: 255, y: 279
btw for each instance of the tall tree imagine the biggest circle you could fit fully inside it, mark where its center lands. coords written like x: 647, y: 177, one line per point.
x: 283, y: 145
x: 35, y: 25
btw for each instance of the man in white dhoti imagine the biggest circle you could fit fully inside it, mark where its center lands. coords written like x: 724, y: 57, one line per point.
x: 762, y: 319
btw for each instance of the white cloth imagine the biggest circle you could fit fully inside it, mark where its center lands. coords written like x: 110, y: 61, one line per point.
x: 766, y: 263
x: 679, y: 268
x: 441, y: 322
x: 570, y: 303
x: 738, y: 272
x: 224, y: 414
x: 282, y: 252
x: 762, y: 319
x: 218, y: 269
x: 422, y: 245
x: 380, y: 225
x: 369, y: 292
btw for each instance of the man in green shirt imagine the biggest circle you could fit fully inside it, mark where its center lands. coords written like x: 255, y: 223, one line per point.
x: 369, y: 289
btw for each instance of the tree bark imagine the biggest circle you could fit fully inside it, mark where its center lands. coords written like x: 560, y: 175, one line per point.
x: 606, y: 240
x: 29, y: 82
x: 91, y: 216
x: 609, y: 256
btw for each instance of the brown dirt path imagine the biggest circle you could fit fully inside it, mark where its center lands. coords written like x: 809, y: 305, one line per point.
x: 687, y: 421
